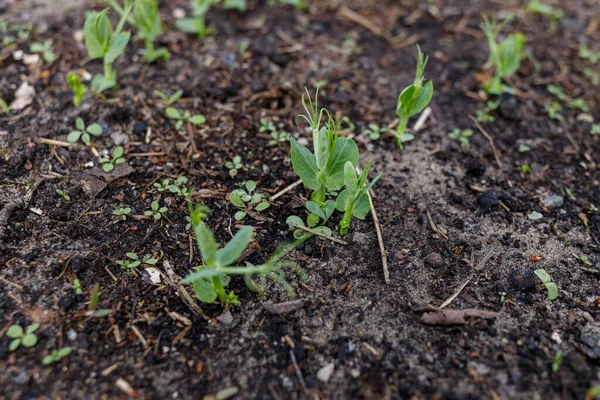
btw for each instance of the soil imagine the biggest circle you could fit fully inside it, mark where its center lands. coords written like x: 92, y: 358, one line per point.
x: 253, y: 67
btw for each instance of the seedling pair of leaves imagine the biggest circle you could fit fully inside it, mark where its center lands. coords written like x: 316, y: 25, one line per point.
x: 374, y: 131
x: 234, y: 165
x: 20, y: 336
x: 56, y: 355
x: 505, y: 56
x: 247, y: 199
x: 354, y: 200
x: 103, y: 42
x: 173, y: 113
x: 45, y: 49
x: 547, y: 281
x: 177, y: 187
x: 413, y: 100
x: 156, y: 211
x: 83, y: 132
x: 63, y: 194
x: 276, y: 137
x: 311, y: 222
x: 168, y: 100
x: 122, y: 213
x: 462, y: 135
x: 135, y: 261
x: 108, y: 162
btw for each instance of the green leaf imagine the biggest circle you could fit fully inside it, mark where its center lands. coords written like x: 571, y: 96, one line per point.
x: 191, y: 25
x: 173, y: 113
x: 543, y: 275
x: 32, y: 328
x: 65, y: 351
x: 117, y: 152
x: 341, y: 203
x: 117, y: 45
x: 361, y: 206
x: 85, y: 138
x: 322, y: 150
x: 15, y: 331
x: 350, y: 178
x: 251, y: 186
x: 201, y: 274
x: 240, y: 215
x: 206, y: 242
x: 204, y: 291
x: 80, y: 124
x: 133, y: 256
x: 14, y: 344
x: 236, y: 246
x: 94, y: 129
x: 107, y: 167
x: 262, y: 206
x: 312, y: 220
x: 510, y: 53
x: 37, y: 47
x: 30, y: 340
x: 304, y: 165
x: 102, y: 313
x: 198, y: 119
x: 73, y: 136
x: 552, y: 290
x: 48, y: 360
x: 315, y: 209
x: 237, y: 201
x: 345, y: 150
x: 293, y: 219
x: 94, y: 29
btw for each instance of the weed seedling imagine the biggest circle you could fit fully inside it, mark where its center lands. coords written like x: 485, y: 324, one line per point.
x: 523, y: 148
x: 135, y: 261
x: 102, y: 42
x: 57, y: 355
x: 537, y: 7
x: 45, y: 49
x: 570, y: 194
x: 505, y: 56
x: 234, y: 165
x: 177, y: 187
x: 413, y: 100
x: 354, y: 200
x: 238, y: 5
x: 108, y: 163
x: 374, y: 131
x: 547, y: 281
x: 463, y: 136
x: 246, y: 199
x: 583, y: 259
x: 78, y: 88
x: 595, y: 130
x: 4, y: 107
x: 592, y: 75
x: 156, y: 211
x: 122, y: 213
x: 169, y: 100
x: 83, y: 132
x: 20, y: 336
x: 276, y: 137
x: 485, y: 114
x: 554, y: 111
x: 197, y: 23
x: 578, y: 104
x: 173, y: 113
x: 77, y: 286
x: 311, y: 221
x: 558, y: 360
x: 587, y: 54
x: 62, y: 194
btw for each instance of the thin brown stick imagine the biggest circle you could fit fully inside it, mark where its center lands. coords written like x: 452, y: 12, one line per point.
x: 151, y: 154
x: 285, y: 190
x: 299, y: 373
x: 333, y: 239
x: 53, y: 142
x: 359, y: 19
x: 489, y: 138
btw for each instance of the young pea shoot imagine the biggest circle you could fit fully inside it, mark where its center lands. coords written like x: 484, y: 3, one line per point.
x: 45, y: 49
x: 504, y: 56
x: 462, y: 135
x: 102, y: 42
x: 547, y: 281
x: 354, y: 201
x: 374, y: 131
x: 156, y: 211
x: 122, y: 213
x: 83, y: 132
x: 56, y: 355
x: 413, y: 100
x: 247, y: 199
x: 20, y: 336
x: 108, y: 163
x: 197, y: 23
x: 78, y: 88
x: 173, y: 113
x: 63, y: 194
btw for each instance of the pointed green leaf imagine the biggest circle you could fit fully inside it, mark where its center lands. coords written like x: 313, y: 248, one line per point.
x: 345, y: 150
x: 236, y: 246
x: 206, y: 242
x: 304, y: 165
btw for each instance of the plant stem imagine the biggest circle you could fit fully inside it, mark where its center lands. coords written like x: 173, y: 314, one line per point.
x: 401, y: 128
x: 218, y: 287
x: 345, y: 222
x: 149, y: 49
x: 319, y: 196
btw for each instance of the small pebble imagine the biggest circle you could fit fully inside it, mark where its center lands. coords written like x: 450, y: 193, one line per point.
x: 325, y: 373
x: 434, y: 260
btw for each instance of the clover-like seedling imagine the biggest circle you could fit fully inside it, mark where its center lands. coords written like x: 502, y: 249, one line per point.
x: 462, y: 135
x: 64, y: 195
x: 83, y: 132
x: 177, y: 187
x: 583, y: 259
x: 133, y: 261
x: 103, y: 42
x: 122, y: 213
x: 374, y: 131
x: 276, y: 136
x: 547, y: 281
x: 77, y: 286
x: 169, y: 100
x: 78, y: 88
x: 197, y: 23
x: 323, y: 169
x: 108, y: 163
x: 156, y: 211
x: 173, y: 113
x: 485, y: 114
x: 20, y: 336
x: 294, y: 222
x: 412, y: 100
x: 45, y: 49
x: 505, y: 56
x: 247, y: 199
x: 354, y: 200
x: 234, y: 166
x: 56, y: 355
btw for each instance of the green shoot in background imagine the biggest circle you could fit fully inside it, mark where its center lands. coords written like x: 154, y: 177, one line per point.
x: 197, y: 23
x: 78, y: 88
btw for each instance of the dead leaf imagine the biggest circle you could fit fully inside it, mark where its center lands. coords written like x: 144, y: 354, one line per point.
x: 455, y: 317
x: 95, y: 180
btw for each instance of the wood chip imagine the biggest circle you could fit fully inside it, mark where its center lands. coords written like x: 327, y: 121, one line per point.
x: 126, y: 388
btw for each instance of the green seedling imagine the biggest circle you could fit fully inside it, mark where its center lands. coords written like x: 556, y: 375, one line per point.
x: 4, y: 107
x: 595, y: 130
x: 547, y: 281
x: 587, y: 54
x: 558, y: 360
x: 354, y: 200
x: 413, y: 100
x: 523, y: 148
x: 374, y: 131
x: 197, y: 23
x: 505, y: 56
x: 108, y: 163
x: 234, y: 165
x: 78, y: 88
x: 122, y: 213
x: 485, y: 114
x: 77, y: 286
x: 296, y: 224
x: 462, y: 135
x: 593, y: 208
x: 537, y: 7
x: 45, y: 49
x: 177, y: 187
x: 238, y: 5
x: 173, y: 113
x: 276, y: 137
x: 592, y: 75
x: 94, y: 301
x: 247, y: 199
x: 169, y: 100
x: 20, y: 336
x: 554, y: 110
x: 583, y: 259
x: 523, y: 169
x: 57, y: 355
x: 323, y: 169
x: 102, y: 42
x: 298, y: 4
x: 578, y: 104
x: 146, y: 19
x: 156, y: 211
x: 83, y: 132
x: 570, y: 194
x: 63, y: 194
x: 135, y: 261
x: 557, y: 91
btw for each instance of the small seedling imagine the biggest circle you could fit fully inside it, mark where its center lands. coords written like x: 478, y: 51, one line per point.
x: 102, y: 42
x: 108, y: 163
x: 77, y: 286
x: 276, y: 137
x: 311, y: 221
x: 78, y: 88
x: 570, y: 194
x: 247, y: 199
x: 177, y: 187
x: 354, y: 200
x: 463, y: 136
x: 557, y: 91
x: 592, y: 75
x: 83, y: 132
x: 413, y: 100
x: 173, y: 113
x: 234, y: 165
x: 4, y: 107
x: 156, y: 211
x: 523, y: 148
x: 374, y: 131
x: 197, y: 23
x: 20, y: 336
x: 45, y: 49
x: 595, y: 130
x: 504, y: 56
x: 578, y: 104
x: 558, y: 360
x: 169, y: 100
x: 523, y: 169
x: 485, y: 114
x: 583, y: 259
x: 587, y: 54
x: 547, y: 281
x: 135, y: 261
x: 122, y: 213
x: 57, y: 355
x: 537, y: 7
x: 554, y: 111
x: 593, y: 208
x: 238, y: 5
x: 63, y: 194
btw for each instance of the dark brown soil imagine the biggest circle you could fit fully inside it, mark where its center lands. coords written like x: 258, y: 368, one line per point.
x: 348, y: 316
